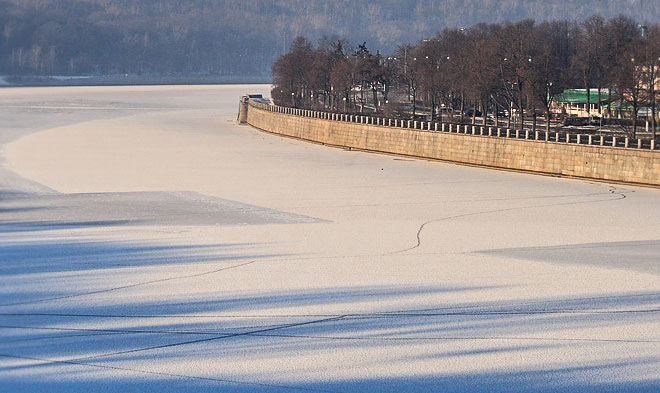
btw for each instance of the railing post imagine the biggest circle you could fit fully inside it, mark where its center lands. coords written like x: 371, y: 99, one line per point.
x: 508, y: 132
x: 652, y: 144
x: 436, y: 127
x: 639, y: 143
x: 613, y: 141
x: 590, y: 139
x: 490, y: 131
x: 626, y: 142
x: 579, y: 138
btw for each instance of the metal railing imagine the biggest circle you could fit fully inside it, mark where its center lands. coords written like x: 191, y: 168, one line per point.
x: 470, y: 129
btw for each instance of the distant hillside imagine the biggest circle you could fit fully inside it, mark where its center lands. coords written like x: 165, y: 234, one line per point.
x: 237, y: 38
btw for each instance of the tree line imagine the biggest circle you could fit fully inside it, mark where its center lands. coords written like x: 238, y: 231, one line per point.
x: 518, y: 67
x: 238, y: 37
x: 159, y: 37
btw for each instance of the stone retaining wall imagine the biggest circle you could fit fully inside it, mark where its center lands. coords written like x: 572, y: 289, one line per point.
x: 576, y: 156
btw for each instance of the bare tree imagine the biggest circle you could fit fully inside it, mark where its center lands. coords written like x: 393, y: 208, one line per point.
x: 543, y: 71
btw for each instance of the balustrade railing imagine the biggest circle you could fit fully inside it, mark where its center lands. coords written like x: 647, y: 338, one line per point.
x: 476, y: 130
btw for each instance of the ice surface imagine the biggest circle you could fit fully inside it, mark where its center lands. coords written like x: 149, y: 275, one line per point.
x: 147, y: 243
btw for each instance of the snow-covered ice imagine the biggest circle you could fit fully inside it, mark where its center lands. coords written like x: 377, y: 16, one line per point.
x: 148, y: 243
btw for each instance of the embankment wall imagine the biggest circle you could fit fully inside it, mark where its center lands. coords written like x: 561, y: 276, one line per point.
x: 576, y: 156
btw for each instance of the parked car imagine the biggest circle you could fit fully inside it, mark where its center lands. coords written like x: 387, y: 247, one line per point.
x: 575, y: 121
x: 596, y: 121
x: 470, y: 112
x: 500, y: 113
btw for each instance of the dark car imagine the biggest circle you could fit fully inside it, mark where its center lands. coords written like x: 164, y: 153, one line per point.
x: 471, y: 112
x: 500, y: 113
x: 596, y: 121
x: 575, y: 121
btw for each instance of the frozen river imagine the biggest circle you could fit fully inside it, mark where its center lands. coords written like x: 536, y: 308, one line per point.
x: 148, y: 243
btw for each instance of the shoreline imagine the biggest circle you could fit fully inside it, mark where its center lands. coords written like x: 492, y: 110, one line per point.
x: 12, y: 81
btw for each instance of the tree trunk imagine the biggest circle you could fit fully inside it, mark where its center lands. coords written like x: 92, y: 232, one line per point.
x: 462, y: 107
x: 433, y: 107
x: 634, y: 115
x: 588, y: 97
x: 520, y: 105
x: 652, y: 97
x: 414, y: 97
x: 484, y: 112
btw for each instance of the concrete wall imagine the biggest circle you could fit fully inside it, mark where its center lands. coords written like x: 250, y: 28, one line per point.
x: 631, y: 165
x: 242, y: 110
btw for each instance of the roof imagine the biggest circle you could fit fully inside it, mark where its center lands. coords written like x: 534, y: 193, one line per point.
x: 575, y: 96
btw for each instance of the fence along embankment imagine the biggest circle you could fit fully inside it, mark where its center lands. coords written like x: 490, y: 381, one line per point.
x: 586, y: 156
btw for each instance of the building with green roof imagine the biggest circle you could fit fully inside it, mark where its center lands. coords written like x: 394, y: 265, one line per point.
x: 573, y: 102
